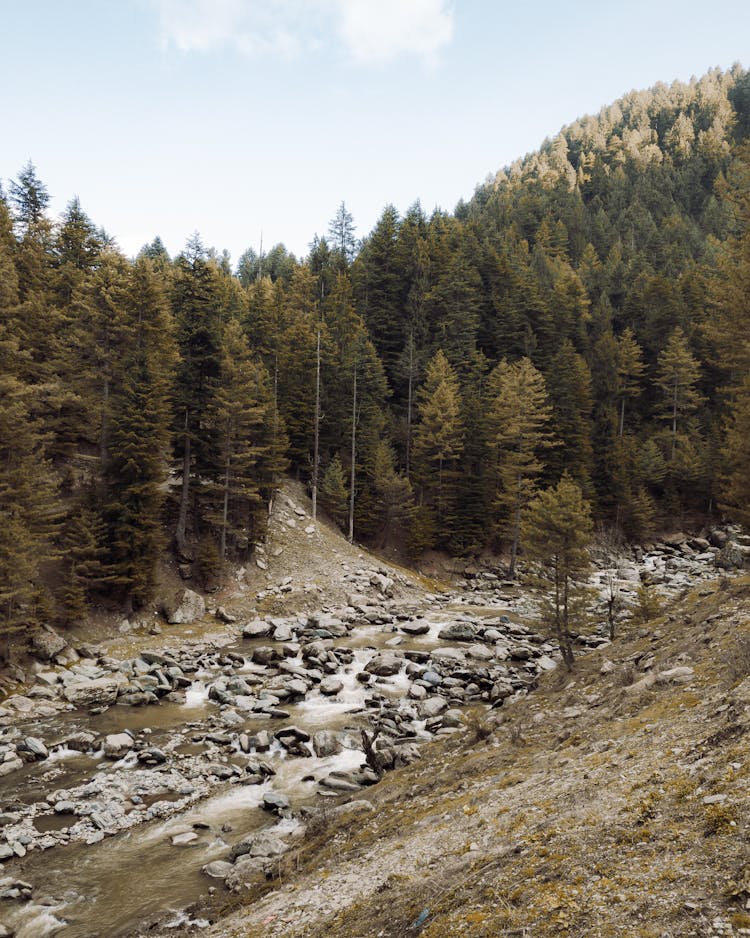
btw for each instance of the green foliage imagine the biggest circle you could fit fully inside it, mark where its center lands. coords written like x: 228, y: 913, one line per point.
x: 557, y: 530
x: 334, y: 496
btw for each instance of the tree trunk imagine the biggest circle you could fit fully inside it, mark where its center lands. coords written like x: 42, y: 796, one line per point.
x: 354, y: 457
x: 316, y: 444
x: 185, y: 490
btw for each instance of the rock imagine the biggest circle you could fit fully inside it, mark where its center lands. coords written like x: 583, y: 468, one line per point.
x: 458, y: 632
x: 417, y: 692
x: 326, y: 743
x: 275, y: 802
x: 46, y: 644
x: 607, y: 667
x: 117, y: 744
x: 263, y: 844
x: 678, y: 675
x: 383, y: 583
x: 244, y: 871
x: 265, y: 654
x: 480, y: 653
x: 94, y: 692
x: 340, y: 781
x: 414, y: 628
x: 35, y: 747
x: 223, y: 616
x: 730, y: 557
x: 433, y: 706
x: 432, y: 678
x: 183, y: 608
x: 453, y: 718
x: 645, y: 683
x: 218, y: 869
x: 384, y: 664
x: 331, y: 686
x: 292, y: 732
x: 182, y: 840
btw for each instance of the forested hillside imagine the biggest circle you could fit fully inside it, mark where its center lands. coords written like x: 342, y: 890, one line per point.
x: 586, y: 313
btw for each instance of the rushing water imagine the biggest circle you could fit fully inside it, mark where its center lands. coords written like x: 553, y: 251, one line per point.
x: 136, y: 877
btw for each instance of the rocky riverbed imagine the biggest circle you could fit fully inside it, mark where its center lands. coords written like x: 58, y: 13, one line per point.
x: 130, y: 785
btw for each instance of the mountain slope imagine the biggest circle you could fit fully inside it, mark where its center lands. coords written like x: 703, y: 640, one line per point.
x: 613, y: 801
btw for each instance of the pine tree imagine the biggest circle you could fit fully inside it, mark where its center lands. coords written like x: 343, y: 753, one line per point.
x: 518, y: 432
x: 677, y: 374
x: 236, y: 415
x: 438, y: 443
x: 140, y: 436
x: 735, y: 487
x: 569, y: 388
x: 334, y: 496
x: 557, y: 530
x: 630, y: 369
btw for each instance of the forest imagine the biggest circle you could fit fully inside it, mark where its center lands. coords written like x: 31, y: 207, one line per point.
x: 584, y: 316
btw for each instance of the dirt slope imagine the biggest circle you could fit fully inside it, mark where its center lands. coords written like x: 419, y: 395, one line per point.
x: 611, y: 802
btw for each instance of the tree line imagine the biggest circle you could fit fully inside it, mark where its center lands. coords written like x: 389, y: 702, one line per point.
x: 583, y: 318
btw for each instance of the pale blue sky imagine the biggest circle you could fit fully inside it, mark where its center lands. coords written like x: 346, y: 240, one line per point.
x: 236, y: 116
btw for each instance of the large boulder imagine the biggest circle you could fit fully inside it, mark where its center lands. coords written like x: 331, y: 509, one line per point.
x: 183, y: 608
x: 262, y: 844
x: 458, y: 632
x: 94, y: 692
x: 384, y: 664
x: 46, y: 644
x: 326, y: 743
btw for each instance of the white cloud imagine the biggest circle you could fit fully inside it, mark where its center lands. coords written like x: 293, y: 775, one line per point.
x: 379, y: 30
x: 370, y: 30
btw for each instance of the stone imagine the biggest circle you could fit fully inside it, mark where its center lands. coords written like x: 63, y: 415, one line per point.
x: 340, y: 781
x: 35, y: 747
x: 331, y: 686
x: 453, y: 718
x: 545, y: 663
x: 730, y: 557
x: 607, y: 667
x: 417, y: 692
x: 218, y: 869
x: 46, y: 644
x: 458, y: 632
x: 292, y: 732
x: 182, y: 840
x: 265, y: 654
x: 433, y: 706
x: 326, y: 743
x: 679, y: 675
x: 384, y: 664
x: 480, y: 653
x: 244, y: 871
x: 95, y: 692
x: 117, y: 744
x: 275, y: 802
x: 183, y: 608
x: 414, y: 628
x: 263, y: 844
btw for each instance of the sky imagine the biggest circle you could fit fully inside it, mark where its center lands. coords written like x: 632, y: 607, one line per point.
x: 254, y: 119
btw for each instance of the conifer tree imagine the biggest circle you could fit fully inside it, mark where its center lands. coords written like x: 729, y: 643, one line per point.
x: 630, y: 369
x: 438, y: 442
x: 735, y: 489
x: 557, y: 530
x: 140, y: 434
x: 569, y: 388
x: 236, y: 415
x: 334, y: 496
x: 518, y: 433
x: 677, y: 374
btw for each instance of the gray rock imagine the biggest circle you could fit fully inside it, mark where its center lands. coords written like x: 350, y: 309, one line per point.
x: 9, y: 765
x: 414, y: 628
x: 35, y: 747
x: 117, y: 744
x: 331, y: 685
x: 245, y: 871
x: 46, y: 644
x: 218, y: 869
x: 183, y: 608
x: 275, y: 802
x: 96, y: 692
x: 262, y: 844
x: 433, y: 706
x: 257, y: 628
x: 265, y: 654
x: 326, y: 743
x: 458, y: 632
x: 183, y: 839
x: 385, y: 664
x: 417, y: 692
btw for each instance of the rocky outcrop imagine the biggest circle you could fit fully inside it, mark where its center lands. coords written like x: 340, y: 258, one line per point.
x: 183, y: 608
